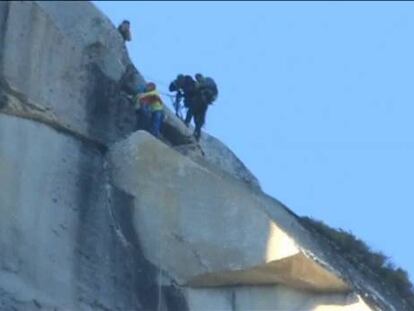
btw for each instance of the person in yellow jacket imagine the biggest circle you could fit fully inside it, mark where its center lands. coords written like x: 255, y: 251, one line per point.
x: 151, y: 107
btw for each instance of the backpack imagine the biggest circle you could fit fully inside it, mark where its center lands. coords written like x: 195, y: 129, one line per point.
x: 209, y: 90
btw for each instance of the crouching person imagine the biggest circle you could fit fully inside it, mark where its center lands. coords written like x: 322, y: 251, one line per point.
x: 152, y: 108
x: 125, y: 30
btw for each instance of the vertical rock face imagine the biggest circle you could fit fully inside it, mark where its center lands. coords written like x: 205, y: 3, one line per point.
x: 96, y: 217
x: 60, y: 247
x: 61, y: 104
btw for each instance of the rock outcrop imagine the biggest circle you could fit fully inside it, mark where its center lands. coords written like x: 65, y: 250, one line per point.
x: 97, y: 216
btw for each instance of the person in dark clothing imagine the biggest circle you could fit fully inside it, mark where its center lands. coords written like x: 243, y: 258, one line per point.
x: 204, y: 92
x: 124, y: 30
x: 197, y: 108
x: 189, y: 90
x: 207, y: 87
x: 186, y: 89
x: 195, y: 105
x: 196, y: 95
x: 177, y: 86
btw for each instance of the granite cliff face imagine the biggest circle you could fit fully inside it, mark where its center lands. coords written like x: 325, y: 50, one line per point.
x: 96, y: 216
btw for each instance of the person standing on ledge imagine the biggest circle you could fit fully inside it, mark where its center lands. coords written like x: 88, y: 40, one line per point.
x: 205, y: 93
x: 150, y: 103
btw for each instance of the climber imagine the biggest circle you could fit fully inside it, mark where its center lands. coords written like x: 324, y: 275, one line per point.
x: 185, y: 86
x: 142, y: 111
x: 124, y: 30
x: 151, y: 108
x: 177, y: 86
x: 207, y: 87
x: 204, y: 94
x: 191, y: 97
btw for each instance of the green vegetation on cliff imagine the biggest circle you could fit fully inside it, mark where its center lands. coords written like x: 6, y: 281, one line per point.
x: 372, y: 263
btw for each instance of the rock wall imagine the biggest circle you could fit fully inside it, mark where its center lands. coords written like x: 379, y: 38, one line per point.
x: 205, y: 231
x: 95, y: 216
x: 194, y: 222
x: 62, y: 103
x: 64, y: 61
x: 56, y: 226
x: 66, y: 236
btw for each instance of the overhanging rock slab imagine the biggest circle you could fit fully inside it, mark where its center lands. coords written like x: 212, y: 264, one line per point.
x: 194, y: 223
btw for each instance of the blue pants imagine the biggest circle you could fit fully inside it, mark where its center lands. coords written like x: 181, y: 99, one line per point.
x: 157, y: 119
x: 143, y: 118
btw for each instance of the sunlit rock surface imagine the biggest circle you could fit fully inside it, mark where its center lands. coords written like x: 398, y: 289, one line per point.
x: 96, y: 216
x: 205, y: 229
x: 275, y: 298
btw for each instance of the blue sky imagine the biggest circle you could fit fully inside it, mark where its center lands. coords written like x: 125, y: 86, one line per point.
x: 316, y: 98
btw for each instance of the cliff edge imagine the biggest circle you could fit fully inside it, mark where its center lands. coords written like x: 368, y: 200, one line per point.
x: 98, y: 216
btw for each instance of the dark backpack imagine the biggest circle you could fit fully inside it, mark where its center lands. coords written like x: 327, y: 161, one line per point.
x: 209, y: 90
